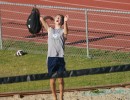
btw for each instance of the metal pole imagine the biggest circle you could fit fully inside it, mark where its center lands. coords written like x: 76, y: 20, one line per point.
x: 1, y: 44
x: 87, y: 40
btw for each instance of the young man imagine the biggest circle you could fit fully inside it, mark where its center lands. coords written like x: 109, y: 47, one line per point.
x: 55, y: 56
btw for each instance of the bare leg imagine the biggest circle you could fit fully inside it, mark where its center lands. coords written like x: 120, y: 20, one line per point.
x: 61, y: 87
x: 53, y: 88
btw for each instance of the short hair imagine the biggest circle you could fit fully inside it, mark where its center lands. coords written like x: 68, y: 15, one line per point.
x: 62, y: 19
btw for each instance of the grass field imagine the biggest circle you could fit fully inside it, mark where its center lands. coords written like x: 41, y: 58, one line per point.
x: 35, y: 62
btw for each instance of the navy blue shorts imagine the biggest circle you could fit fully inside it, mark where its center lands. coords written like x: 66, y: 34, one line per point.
x: 56, y: 64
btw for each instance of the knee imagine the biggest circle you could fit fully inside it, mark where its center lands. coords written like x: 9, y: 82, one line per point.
x: 52, y: 81
x: 60, y: 81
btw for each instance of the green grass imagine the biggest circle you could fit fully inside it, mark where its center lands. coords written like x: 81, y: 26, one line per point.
x: 35, y: 62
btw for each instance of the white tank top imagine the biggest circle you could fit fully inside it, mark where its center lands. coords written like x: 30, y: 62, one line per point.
x: 55, y: 42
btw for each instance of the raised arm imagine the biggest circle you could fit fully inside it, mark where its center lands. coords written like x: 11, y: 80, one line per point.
x: 44, y: 22
x: 66, y: 26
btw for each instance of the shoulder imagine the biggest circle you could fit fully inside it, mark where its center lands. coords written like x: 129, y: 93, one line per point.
x: 50, y: 29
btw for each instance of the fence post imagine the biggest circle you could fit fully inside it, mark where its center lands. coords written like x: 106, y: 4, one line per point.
x: 87, y: 40
x: 1, y: 45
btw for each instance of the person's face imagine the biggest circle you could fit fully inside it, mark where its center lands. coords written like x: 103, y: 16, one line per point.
x: 58, y: 20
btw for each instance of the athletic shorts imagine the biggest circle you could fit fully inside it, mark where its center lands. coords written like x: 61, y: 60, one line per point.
x: 56, y: 64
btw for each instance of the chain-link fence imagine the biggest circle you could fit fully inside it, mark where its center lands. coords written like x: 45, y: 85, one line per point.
x: 109, y: 32
x: 97, y: 38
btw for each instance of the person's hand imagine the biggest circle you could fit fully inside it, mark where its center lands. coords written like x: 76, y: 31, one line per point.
x: 66, y: 18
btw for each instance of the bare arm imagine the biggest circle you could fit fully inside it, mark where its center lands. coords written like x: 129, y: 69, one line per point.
x: 44, y: 22
x: 66, y: 26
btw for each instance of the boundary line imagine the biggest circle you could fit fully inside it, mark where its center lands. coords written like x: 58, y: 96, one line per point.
x: 80, y: 36
x: 83, y: 5
x: 74, y: 11
x: 19, y: 37
x: 76, y: 20
x: 113, y: 31
x: 123, y: 3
